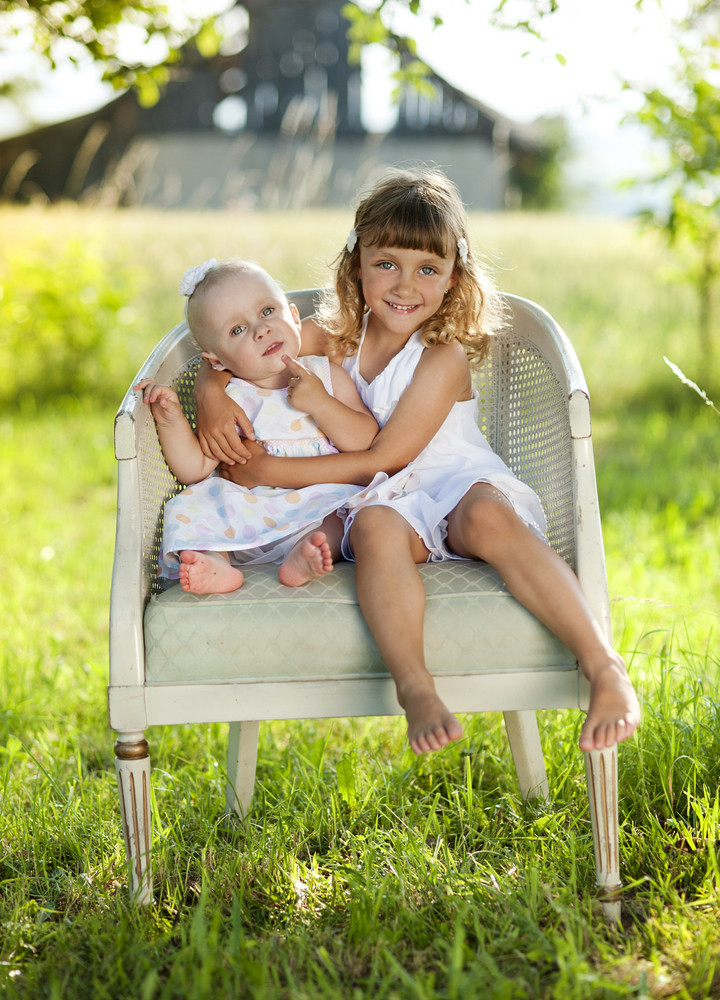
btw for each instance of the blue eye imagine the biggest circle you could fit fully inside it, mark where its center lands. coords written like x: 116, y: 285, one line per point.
x: 427, y: 270
x: 385, y: 265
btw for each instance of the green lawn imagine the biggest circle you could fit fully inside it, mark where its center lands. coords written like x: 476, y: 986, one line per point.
x: 425, y: 878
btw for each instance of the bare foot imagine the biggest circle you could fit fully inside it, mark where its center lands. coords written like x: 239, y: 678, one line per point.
x: 430, y: 725
x: 208, y: 573
x: 614, y: 712
x: 307, y: 560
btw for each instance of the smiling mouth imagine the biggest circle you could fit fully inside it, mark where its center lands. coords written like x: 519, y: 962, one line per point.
x: 273, y: 348
x: 398, y: 308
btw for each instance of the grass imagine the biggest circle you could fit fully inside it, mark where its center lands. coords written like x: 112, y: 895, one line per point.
x: 361, y: 871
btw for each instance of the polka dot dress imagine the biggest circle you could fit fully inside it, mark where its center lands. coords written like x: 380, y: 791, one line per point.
x: 262, y: 524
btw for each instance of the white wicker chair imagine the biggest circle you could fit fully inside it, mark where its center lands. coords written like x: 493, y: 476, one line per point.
x: 258, y: 654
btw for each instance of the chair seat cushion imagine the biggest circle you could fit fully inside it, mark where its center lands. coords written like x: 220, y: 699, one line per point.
x: 268, y: 632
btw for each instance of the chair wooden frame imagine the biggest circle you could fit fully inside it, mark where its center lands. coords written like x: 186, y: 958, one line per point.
x: 135, y: 703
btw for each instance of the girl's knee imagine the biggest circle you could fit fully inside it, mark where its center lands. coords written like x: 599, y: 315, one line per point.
x: 380, y: 527
x: 369, y: 522
x: 487, y: 523
x: 491, y: 514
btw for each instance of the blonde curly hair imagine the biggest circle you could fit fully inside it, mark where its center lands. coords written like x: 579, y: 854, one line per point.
x: 417, y: 210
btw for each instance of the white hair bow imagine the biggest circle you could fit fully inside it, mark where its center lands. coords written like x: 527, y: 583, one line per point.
x: 194, y: 275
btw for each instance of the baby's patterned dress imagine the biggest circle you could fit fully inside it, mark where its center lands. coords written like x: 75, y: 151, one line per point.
x: 259, y: 525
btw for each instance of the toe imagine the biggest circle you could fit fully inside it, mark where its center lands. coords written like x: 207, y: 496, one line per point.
x: 454, y: 729
x: 586, y: 741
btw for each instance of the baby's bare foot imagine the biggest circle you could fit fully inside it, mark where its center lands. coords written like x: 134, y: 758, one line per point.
x: 308, y: 560
x: 208, y: 573
x: 614, y: 712
x: 431, y: 725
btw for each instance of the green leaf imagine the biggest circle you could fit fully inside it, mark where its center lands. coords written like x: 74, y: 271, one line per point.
x: 346, y: 778
x: 208, y: 41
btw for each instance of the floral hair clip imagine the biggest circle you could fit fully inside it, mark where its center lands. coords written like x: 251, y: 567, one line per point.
x: 462, y: 248
x: 194, y: 275
x: 351, y: 241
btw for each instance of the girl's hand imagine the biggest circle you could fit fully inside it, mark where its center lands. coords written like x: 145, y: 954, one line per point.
x: 306, y: 391
x: 162, y: 399
x: 250, y: 474
x: 220, y: 424
x: 220, y: 421
x: 220, y: 435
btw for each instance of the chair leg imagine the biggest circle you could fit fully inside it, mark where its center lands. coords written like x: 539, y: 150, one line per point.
x: 241, y: 764
x: 602, y: 783
x: 132, y: 765
x: 524, y: 740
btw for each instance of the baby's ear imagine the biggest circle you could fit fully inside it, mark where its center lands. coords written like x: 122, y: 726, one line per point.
x: 213, y: 360
x: 295, y: 314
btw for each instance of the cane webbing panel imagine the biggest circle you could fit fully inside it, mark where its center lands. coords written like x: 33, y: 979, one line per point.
x: 524, y: 416
x: 157, y: 484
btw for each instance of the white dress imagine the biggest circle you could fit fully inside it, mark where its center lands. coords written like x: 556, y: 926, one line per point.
x: 262, y: 524
x: 457, y: 457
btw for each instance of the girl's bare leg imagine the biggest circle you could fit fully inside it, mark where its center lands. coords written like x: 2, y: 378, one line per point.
x: 313, y: 555
x: 392, y: 599
x: 484, y: 526
x: 208, y: 573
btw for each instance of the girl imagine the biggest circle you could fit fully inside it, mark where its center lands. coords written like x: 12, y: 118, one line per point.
x: 413, y: 311
x: 242, y: 320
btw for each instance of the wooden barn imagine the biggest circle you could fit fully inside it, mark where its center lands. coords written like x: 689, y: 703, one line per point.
x: 275, y: 120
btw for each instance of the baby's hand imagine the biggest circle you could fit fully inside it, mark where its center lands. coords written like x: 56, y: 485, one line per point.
x: 305, y: 390
x: 163, y: 400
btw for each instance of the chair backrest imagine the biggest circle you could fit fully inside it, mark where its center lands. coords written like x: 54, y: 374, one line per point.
x: 523, y: 386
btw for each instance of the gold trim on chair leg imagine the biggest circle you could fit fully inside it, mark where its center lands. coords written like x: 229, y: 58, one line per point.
x: 602, y: 783
x: 132, y: 765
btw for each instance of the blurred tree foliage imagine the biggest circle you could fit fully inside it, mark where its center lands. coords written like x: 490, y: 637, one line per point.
x: 108, y: 31
x: 537, y: 174
x: 65, y: 324
x: 375, y: 26
x: 102, y: 29
x: 684, y: 121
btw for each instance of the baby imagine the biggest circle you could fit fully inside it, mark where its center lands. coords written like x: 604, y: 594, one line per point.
x: 242, y: 322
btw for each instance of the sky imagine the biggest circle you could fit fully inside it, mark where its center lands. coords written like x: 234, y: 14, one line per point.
x: 588, y: 47
x: 576, y: 70
x: 599, y: 42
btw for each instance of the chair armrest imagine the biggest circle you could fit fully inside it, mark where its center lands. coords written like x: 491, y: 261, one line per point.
x: 531, y: 320
x: 143, y: 484
x: 128, y: 589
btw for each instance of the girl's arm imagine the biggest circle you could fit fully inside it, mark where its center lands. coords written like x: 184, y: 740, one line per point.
x: 221, y: 423
x: 342, y: 416
x: 441, y: 378
x: 180, y: 447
